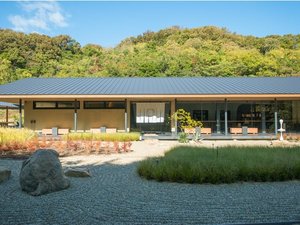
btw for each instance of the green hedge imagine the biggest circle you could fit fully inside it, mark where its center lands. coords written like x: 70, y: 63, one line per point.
x: 223, y: 165
x: 102, y: 137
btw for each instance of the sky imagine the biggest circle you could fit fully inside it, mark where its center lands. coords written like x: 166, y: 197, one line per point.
x: 108, y: 23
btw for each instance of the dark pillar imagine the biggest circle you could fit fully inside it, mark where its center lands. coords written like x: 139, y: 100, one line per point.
x: 218, y: 118
x: 176, y: 131
x: 225, y: 118
x: 263, y: 119
x: 20, y: 113
x: 126, y: 117
x: 276, y: 117
x: 75, y: 115
x: 6, y: 115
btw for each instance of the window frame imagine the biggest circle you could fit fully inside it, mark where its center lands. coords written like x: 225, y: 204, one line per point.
x: 56, y: 105
x: 105, y: 103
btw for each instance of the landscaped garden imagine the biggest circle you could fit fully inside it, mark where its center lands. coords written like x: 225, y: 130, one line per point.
x: 223, y: 165
x: 20, y: 143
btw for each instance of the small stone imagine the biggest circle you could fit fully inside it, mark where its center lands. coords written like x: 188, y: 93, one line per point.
x: 77, y: 172
x: 4, y: 174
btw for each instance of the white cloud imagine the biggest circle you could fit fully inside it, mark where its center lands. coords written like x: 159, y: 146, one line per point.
x: 38, y: 16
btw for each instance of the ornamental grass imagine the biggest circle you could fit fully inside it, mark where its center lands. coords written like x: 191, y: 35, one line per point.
x: 223, y: 165
x: 11, y: 136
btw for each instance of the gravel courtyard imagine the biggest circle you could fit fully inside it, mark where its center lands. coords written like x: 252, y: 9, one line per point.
x: 115, y: 194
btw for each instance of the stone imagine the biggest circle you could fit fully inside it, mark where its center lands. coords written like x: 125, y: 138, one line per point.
x: 42, y: 173
x: 77, y: 172
x: 4, y: 174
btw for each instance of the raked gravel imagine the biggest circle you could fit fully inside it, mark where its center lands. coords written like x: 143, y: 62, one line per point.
x: 115, y: 194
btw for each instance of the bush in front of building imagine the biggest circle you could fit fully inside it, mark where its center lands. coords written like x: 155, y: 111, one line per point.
x: 223, y: 165
x: 12, y: 136
x: 121, y: 137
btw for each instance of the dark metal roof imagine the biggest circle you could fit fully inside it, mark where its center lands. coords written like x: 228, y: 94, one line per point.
x: 152, y: 86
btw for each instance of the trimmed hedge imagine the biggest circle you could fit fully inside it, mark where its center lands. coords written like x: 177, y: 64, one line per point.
x: 223, y: 165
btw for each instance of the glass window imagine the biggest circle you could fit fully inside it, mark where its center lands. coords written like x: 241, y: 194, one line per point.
x: 56, y: 105
x: 94, y: 105
x: 104, y: 105
x: 200, y: 115
x: 115, y: 105
x: 44, y: 105
x: 67, y: 105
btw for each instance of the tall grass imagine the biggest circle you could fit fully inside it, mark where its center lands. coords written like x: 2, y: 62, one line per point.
x: 102, y: 137
x: 223, y: 165
x: 10, y: 136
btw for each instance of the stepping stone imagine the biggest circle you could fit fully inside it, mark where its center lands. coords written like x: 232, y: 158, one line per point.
x: 77, y: 172
x: 4, y: 173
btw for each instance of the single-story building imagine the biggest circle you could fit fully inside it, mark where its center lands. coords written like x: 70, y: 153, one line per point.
x: 224, y: 105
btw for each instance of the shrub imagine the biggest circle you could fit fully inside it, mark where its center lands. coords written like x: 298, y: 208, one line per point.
x: 223, y: 165
x: 122, y: 137
x: 13, y: 136
x: 183, y: 138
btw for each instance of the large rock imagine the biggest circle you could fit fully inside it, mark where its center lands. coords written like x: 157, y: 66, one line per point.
x: 4, y: 173
x: 77, y: 172
x: 42, y: 173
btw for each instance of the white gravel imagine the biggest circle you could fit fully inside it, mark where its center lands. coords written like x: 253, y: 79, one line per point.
x: 115, y: 194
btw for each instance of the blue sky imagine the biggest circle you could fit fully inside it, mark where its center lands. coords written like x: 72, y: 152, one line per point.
x: 107, y: 23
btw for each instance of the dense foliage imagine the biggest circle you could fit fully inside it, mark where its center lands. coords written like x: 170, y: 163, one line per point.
x: 204, y: 51
x: 223, y: 165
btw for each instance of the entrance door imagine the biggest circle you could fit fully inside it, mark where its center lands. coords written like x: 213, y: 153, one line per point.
x: 150, y: 117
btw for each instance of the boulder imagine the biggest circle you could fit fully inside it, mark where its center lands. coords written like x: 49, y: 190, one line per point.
x: 42, y: 173
x: 77, y: 172
x: 4, y: 173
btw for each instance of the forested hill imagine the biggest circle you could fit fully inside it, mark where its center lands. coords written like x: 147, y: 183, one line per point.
x: 204, y: 51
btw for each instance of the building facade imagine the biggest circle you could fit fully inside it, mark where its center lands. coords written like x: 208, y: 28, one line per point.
x: 146, y: 104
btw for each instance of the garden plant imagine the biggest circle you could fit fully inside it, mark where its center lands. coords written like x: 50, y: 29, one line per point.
x: 223, y: 165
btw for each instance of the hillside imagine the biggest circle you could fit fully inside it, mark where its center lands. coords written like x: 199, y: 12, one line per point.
x: 204, y: 51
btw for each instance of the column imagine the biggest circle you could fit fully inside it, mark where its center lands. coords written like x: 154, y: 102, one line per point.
x: 6, y: 115
x: 125, y: 117
x: 263, y: 119
x: 276, y: 117
x: 173, y: 122
x: 75, y: 115
x: 128, y: 110
x: 218, y: 118
x: 225, y: 118
x: 20, y: 113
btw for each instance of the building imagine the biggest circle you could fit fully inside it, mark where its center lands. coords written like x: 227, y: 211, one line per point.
x: 145, y: 104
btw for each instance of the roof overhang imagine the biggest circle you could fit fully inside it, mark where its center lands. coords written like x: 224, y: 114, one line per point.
x: 202, y: 97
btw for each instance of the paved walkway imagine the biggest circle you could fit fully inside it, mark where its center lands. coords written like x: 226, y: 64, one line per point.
x: 115, y: 194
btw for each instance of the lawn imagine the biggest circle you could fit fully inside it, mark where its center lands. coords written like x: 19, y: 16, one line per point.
x: 223, y: 165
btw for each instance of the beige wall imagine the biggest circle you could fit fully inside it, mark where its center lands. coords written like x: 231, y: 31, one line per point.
x: 94, y: 118
x: 64, y: 118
